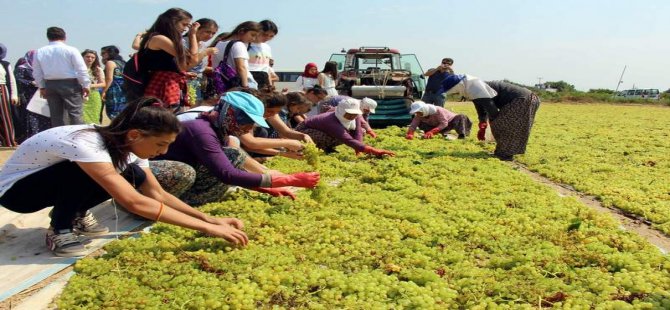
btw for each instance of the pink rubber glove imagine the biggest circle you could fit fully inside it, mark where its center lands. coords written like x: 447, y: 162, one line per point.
x: 409, y: 135
x: 301, y: 179
x: 377, y: 152
x: 429, y: 134
x: 372, y: 134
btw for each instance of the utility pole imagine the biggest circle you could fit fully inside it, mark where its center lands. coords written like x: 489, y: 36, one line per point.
x: 620, y: 80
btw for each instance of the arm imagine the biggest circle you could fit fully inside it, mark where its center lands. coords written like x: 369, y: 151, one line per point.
x: 80, y: 69
x: 109, y: 76
x: 430, y: 72
x: 192, y: 54
x: 286, y: 132
x: 321, y: 80
x: 13, y: 91
x: 485, y: 107
x: 111, y: 181
x: 241, y: 67
x: 100, y: 83
x: 250, y: 141
x: 38, y: 74
x: 137, y: 40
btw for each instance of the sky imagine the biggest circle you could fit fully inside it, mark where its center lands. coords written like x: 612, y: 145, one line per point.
x: 586, y: 43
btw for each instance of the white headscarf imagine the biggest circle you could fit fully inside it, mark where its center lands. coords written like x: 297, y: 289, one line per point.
x: 424, y: 108
x: 351, y: 106
x: 473, y: 88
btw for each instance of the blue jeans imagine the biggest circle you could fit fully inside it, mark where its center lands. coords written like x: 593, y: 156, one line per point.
x: 433, y: 98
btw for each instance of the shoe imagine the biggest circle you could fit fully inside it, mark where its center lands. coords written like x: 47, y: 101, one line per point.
x: 64, y: 243
x: 504, y: 157
x: 87, y: 225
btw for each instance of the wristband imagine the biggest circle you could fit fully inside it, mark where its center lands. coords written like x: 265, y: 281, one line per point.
x: 160, y: 212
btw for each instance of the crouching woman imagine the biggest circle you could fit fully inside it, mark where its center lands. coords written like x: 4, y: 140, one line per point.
x: 342, y: 126
x: 74, y: 168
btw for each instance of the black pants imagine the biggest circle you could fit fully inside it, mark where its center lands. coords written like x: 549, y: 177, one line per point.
x: 64, y: 186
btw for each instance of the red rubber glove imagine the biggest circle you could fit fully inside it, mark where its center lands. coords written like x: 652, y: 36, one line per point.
x: 276, y: 192
x: 372, y: 134
x: 431, y: 133
x: 409, y: 135
x: 481, y: 134
x: 300, y: 179
x: 377, y: 152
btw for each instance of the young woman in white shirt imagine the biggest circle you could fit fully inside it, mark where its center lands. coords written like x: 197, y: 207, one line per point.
x: 260, y: 54
x: 308, y: 78
x: 328, y: 77
x: 74, y: 168
x: 244, y: 33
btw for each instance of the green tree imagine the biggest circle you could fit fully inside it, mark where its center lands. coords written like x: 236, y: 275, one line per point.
x: 561, y: 86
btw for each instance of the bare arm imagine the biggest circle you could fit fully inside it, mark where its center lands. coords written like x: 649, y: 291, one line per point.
x: 285, y: 131
x: 109, y: 76
x: 137, y: 40
x: 321, y: 79
x: 100, y: 82
x: 241, y: 67
x: 161, y: 42
x: 149, y: 207
x: 430, y: 72
x: 249, y: 141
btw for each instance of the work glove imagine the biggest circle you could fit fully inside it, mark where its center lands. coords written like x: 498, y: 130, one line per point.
x: 481, y: 133
x: 377, y: 152
x: 276, y: 192
x: 300, y: 179
x: 429, y: 134
x: 409, y: 135
x: 372, y: 133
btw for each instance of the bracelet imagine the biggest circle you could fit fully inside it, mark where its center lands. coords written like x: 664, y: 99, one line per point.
x: 160, y: 212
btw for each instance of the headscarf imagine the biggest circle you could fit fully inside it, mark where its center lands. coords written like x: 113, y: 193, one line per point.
x: 351, y: 106
x: 3, y: 51
x: 467, y: 85
x: 424, y: 108
x: 26, y: 62
x: 309, y: 66
x: 370, y: 104
x: 235, y: 109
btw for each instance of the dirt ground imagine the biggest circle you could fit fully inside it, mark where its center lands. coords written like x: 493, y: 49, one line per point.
x: 4, y: 154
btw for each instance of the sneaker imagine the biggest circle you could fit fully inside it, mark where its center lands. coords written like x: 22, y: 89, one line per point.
x: 504, y: 157
x: 64, y: 243
x: 87, y: 225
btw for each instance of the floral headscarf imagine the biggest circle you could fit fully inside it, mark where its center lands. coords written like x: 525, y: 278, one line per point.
x: 26, y: 62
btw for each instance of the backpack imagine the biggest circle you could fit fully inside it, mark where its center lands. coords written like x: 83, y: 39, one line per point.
x: 134, y: 78
x: 224, y: 76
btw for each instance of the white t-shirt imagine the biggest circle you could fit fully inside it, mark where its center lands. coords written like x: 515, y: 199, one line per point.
x: 259, y: 57
x: 239, y: 50
x: 192, y: 114
x: 303, y: 83
x: 53, y: 146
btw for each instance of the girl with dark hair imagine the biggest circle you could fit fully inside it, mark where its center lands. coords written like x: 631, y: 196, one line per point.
x: 112, y: 95
x: 281, y: 125
x: 208, y: 144
x: 26, y: 86
x: 92, y: 111
x: 238, y: 57
x: 99, y: 163
x: 327, y: 78
x: 206, y: 32
x: 260, y: 54
x: 163, y: 55
x: 308, y: 78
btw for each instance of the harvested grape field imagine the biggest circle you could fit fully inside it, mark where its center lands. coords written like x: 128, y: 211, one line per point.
x: 440, y: 226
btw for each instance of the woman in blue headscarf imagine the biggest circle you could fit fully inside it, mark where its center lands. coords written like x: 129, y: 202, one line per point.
x: 510, y: 109
x: 208, y: 145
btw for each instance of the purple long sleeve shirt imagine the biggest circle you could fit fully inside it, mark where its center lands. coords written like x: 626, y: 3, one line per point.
x: 440, y: 119
x: 198, y: 144
x: 329, y: 124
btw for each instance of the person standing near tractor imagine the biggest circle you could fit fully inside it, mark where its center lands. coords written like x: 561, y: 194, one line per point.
x: 434, y: 94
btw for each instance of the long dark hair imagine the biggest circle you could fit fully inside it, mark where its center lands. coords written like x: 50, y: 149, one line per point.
x: 112, y: 52
x: 241, y: 29
x: 145, y: 114
x: 273, y: 100
x: 296, y: 98
x: 269, y: 26
x: 330, y: 68
x: 95, y: 66
x: 165, y: 25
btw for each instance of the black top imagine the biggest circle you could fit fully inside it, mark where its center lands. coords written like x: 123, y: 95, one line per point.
x: 158, y: 60
x: 434, y: 83
x: 507, y: 92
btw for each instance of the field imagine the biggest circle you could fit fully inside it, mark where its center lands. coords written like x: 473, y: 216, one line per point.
x: 440, y: 226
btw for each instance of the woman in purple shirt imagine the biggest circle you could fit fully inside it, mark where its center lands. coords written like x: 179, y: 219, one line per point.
x: 434, y: 119
x: 207, y: 144
x: 342, y: 126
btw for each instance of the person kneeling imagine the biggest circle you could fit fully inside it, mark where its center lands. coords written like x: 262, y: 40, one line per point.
x: 99, y: 163
x: 433, y: 120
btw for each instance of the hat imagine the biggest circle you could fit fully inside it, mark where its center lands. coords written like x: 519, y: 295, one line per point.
x: 249, y: 104
x: 351, y: 106
x: 416, y: 106
x: 370, y: 104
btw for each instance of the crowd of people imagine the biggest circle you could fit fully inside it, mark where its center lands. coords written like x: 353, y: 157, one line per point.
x: 189, y: 120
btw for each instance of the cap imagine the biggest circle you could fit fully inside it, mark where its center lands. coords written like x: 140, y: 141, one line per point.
x: 351, y: 106
x: 416, y: 106
x: 370, y: 104
x: 249, y: 104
